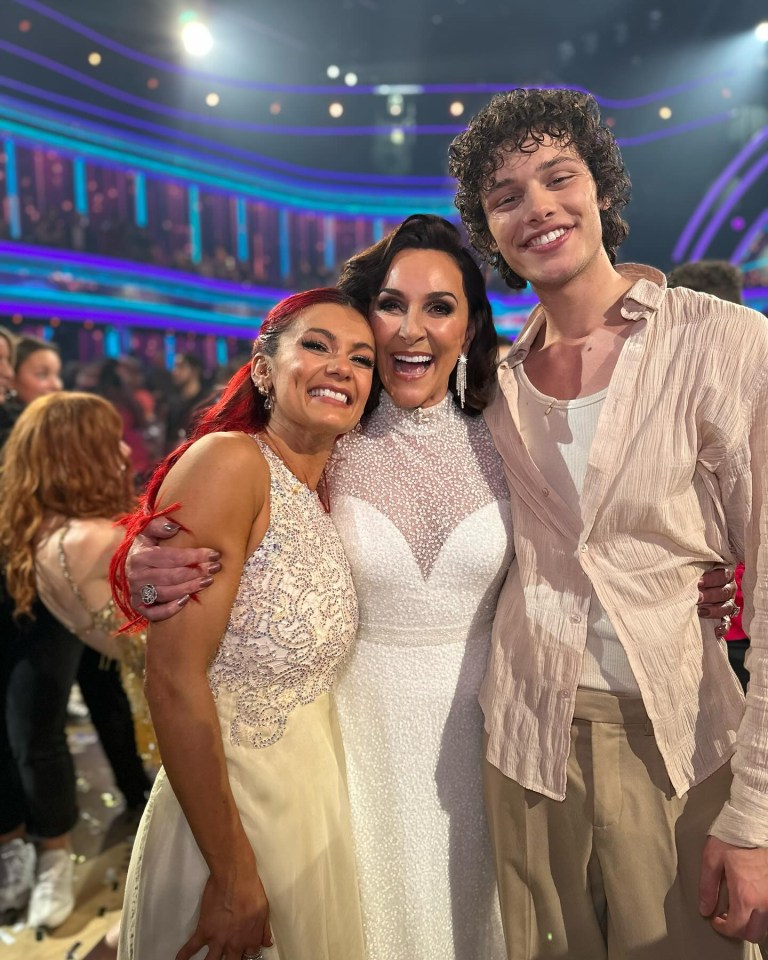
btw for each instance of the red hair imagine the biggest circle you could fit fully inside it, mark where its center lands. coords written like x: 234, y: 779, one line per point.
x: 239, y: 408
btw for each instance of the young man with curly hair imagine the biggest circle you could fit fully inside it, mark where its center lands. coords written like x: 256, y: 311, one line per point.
x: 633, y: 423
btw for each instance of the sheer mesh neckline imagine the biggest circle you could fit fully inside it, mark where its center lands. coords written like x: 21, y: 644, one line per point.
x: 421, y: 420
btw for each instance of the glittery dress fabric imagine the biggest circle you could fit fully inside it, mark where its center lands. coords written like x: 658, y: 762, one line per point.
x: 292, y: 623
x: 422, y: 508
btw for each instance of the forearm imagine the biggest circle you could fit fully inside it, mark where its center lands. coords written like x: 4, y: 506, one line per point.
x: 189, y: 738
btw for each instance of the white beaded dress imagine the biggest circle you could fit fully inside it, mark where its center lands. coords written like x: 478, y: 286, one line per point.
x: 292, y: 623
x: 422, y: 508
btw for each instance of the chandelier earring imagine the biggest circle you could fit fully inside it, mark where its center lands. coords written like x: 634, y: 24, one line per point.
x: 461, y: 378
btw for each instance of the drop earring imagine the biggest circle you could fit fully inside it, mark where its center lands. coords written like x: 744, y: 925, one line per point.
x: 461, y: 378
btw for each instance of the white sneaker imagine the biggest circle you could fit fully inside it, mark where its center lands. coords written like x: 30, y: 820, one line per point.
x: 17, y: 874
x: 53, y: 895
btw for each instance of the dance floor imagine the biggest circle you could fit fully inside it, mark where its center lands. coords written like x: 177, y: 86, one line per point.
x: 102, y: 844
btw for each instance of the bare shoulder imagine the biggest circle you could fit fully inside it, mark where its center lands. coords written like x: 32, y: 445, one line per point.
x: 231, y: 462
x: 221, y: 483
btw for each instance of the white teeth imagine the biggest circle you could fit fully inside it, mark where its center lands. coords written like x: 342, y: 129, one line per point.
x: 547, y: 238
x: 325, y: 392
x: 413, y: 358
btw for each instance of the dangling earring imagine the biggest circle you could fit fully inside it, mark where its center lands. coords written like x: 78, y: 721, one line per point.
x: 461, y: 378
x: 264, y: 391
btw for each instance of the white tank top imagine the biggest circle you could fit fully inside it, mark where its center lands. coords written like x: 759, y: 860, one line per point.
x: 559, y: 435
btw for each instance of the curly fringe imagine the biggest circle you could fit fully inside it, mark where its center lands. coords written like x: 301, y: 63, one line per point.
x: 520, y: 120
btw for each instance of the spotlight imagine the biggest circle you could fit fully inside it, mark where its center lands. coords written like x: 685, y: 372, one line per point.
x: 153, y: 83
x: 196, y: 38
x: 397, y: 136
x: 213, y: 99
x: 275, y: 108
x: 333, y: 72
x: 350, y: 79
x: 394, y: 104
x: 456, y: 108
x: 25, y: 26
x: 94, y: 59
x: 665, y: 113
x: 761, y: 31
x: 336, y: 110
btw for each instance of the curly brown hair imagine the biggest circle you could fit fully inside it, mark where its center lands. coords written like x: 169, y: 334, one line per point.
x: 62, y: 458
x: 520, y: 120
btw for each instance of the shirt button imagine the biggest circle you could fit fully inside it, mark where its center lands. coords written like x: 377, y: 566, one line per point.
x: 545, y: 491
x: 575, y: 618
x: 583, y: 548
x: 565, y: 694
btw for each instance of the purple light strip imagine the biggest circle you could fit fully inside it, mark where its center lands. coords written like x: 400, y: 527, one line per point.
x: 728, y: 204
x: 132, y: 269
x: 324, y: 89
x: 293, y: 130
x: 206, y: 142
x: 751, y: 234
x: 686, y: 237
x: 666, y: 132
x: 121, y: 318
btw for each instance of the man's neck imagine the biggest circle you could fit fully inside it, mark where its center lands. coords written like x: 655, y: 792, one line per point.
x: 577, y: 308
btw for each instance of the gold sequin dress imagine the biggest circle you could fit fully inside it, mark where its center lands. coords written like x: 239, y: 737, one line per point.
x: 422, y: 507
x: 292, y: 623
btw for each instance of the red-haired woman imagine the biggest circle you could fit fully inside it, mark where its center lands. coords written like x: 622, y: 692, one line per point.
x: 247, y: 830
x: 63, y: 481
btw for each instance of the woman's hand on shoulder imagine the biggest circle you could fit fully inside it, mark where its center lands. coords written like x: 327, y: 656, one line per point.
x: 178, y: 572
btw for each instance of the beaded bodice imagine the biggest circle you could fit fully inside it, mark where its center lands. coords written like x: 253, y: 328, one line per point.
x: 294, y: 617
x: 422, y: 507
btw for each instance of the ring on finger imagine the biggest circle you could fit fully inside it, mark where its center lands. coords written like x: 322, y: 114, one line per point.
x: 149, y: 594
x: 252, y: 956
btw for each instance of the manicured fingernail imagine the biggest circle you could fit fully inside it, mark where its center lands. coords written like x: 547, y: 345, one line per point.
x: 214, y: 555
x: 182, y: 601
x: 701, y: 598
x: 170, y: 527
x: 205, y: 582
x: 214, y: 567
x: 703, y: 611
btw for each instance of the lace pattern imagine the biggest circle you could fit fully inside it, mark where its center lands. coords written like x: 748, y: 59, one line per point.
x: 294, y: 617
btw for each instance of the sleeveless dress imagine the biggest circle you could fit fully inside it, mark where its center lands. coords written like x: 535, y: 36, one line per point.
x: 422, y: 508
x: 292, y: 622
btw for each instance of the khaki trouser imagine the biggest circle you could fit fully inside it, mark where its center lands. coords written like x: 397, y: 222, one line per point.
x: 612, y: 872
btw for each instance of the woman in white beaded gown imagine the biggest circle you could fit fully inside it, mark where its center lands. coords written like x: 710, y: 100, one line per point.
x: 422, y: 508
x: 248, y: 826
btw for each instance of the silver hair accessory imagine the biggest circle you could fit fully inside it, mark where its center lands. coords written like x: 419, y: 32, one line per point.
x: 149, y: 595
x: 461, y: 378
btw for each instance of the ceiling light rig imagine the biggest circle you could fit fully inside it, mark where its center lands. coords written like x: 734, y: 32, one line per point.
x: 195, y: 35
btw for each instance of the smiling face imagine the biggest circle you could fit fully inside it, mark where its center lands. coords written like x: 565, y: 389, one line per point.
x: 544, y: 215
x: 420, y: 319
x: 321, y: 375
x: 38, y: 375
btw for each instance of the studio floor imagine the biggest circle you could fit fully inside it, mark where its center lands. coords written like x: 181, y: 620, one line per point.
x: 102, y: 845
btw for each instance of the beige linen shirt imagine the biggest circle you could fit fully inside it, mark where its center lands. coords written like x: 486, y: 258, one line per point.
x: 677, y: 480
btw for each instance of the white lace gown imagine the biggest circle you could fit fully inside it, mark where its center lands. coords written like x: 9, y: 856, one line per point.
x: 422, y: 509
x: 292, y: 622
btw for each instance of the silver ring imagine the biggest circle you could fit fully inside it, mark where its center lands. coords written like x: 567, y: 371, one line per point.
x: 252, y: 956
x: 149, y: 595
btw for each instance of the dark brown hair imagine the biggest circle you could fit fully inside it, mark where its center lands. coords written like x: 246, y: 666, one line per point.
x: 363, y: 275
x: 521, y: 120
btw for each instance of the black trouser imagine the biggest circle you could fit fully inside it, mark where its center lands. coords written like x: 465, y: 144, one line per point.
x: 110, y: 712
x: 736, y: 651
x: 38, y: 665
